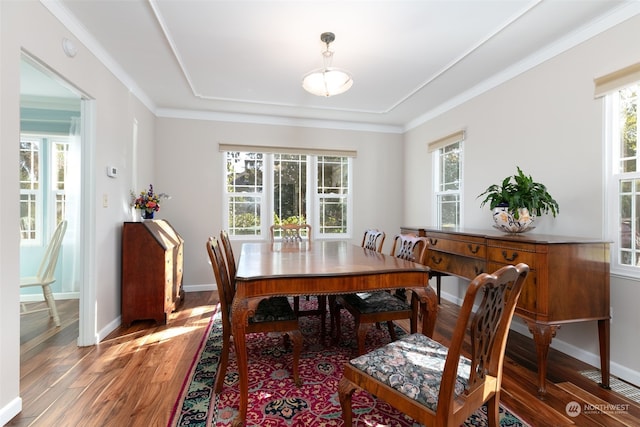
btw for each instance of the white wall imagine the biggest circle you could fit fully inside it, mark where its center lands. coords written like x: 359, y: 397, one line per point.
x: 116, y: 110
x: 191, y: 164
x: 547, y: 122
x: 10, y: 402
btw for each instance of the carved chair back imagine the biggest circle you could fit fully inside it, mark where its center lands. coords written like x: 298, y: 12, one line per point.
x: 409, y: 247
x: 231, y: 259
x: 463, y: 385
x: 290, y: 233
x: 373, y: 240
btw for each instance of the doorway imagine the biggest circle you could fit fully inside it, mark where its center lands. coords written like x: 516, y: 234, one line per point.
x: 51, y: 165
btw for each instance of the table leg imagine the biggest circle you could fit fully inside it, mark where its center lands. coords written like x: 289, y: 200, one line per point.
x: 542, y: 336
x: 604, y: 336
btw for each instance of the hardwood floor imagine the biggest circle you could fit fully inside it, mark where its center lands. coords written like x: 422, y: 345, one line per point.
x: 133, y: 377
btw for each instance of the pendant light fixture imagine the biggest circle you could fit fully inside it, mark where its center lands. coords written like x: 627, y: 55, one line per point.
x: 327, y: 81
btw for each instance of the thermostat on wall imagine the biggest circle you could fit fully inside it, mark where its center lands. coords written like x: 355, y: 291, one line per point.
x: 112, y: 171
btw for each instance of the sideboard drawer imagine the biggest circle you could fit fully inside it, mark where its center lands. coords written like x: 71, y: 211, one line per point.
x: 511, y: 254
x: 455, y: 264
x: 467, y: 247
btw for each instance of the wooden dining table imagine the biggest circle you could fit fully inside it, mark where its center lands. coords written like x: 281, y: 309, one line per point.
x: 317, y: 268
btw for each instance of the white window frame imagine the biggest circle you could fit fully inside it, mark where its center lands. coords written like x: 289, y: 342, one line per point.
x: 613, y: 178
x: 47, y: 192
x: 270, y: 203
x: 53, y: 191
x: 38, y: 194
x: 264, y: 197
x: 266, y: 205
x: 438, y: 193
x: 316, y: 201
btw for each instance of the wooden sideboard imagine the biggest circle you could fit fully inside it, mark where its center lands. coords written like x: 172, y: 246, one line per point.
x: 568, y: 280
x: 151, y: 270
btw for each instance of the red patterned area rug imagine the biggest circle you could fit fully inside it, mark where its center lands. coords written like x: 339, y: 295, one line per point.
x: 274, y: 400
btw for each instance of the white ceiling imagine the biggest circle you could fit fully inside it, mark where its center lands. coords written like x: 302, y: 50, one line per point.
x: 409, y: 59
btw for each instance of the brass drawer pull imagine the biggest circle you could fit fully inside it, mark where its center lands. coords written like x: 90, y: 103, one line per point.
x: 474, y: 249
x: 513, y: 256
x: 436, y: 261
x: 433, y: 241
x: 478, y: 270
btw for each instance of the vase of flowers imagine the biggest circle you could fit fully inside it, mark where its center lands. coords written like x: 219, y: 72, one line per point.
x: 148, y: 202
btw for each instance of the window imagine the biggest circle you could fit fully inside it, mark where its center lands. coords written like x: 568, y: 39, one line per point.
x: 267, y: 188
x: 59, y: 171
x: 622, y: 125
x: 43, y: 170
x: 244, y: 190
x: 290, y: 188
x: 447, y: 160
x: 333, y: 193
x: 30, y: 193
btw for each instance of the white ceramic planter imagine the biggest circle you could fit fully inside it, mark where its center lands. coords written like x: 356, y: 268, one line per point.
x: 505, y: 221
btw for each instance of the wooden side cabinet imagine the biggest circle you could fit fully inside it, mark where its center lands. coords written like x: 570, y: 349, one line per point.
x: 151, y: 271
x: 568, y: 279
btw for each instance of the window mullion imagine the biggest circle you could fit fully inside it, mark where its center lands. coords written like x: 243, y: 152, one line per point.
x: 268, y: 208
x: 312, y: 195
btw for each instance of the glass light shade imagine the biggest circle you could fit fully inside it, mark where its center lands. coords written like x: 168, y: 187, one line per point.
x: 327, y: 82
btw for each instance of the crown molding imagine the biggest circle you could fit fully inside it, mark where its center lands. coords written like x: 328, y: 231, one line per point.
x: 76, y: 28
x: 619, y: 15
x: 276, y: 120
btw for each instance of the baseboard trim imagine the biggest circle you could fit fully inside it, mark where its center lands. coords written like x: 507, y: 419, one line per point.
x: 110, y: 327
x: 10, y: 410
x: 57, y: 296
x: 200, y: 288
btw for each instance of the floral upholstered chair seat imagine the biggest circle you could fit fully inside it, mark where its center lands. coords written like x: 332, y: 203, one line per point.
x: 273, y: 309
x: 413, y: 366
x: 375, y: 302
x: 438, y: 385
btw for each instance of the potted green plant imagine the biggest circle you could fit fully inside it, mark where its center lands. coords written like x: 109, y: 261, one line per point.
x: 517, y: 201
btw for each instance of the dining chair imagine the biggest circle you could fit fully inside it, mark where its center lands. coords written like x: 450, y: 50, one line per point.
x: 436, y: 385
x: 231, y: 259
x: 384, y: 306
x: 271, y: 315
x: 373, y: 240
x: 292, y: 234
x: 45, y: 275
